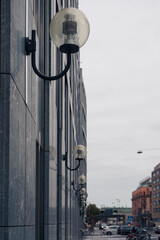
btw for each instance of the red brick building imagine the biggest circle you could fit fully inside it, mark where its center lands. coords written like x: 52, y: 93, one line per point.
x: 156, y: 195
x: 142, y: 204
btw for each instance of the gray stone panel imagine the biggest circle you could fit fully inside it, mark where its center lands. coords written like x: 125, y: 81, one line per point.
x: 29, y: 233
x: 4, y: 36
x: 50, y: 232
x: 63, y: 193
x: 50, y: 190
x: 12, y: 25
x: 32, y: 91
x: 17, y: 149
x: 52, y: 121
x: 62, y: 226
x: 16, y: 233
x: 4, y: 233
x: 4, y: 146
x: 32, y: 77
x: 17, y: 43
x: 47, y: 113
x: 30, y: 170
x: 12, y: 233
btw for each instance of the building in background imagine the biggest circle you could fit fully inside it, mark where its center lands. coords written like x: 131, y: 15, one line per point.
x: 40, y: 121
x: 114, y: 215
x: 142, y: 204
x: 156, y: 195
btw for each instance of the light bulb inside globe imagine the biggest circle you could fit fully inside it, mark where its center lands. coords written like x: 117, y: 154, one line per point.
x: 69, y: 30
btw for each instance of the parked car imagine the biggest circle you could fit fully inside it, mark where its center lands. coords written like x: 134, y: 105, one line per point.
x: 124, y: 230
x: 157, y: 229
x: 102, y: 225
x: 111, y: 230
x: 119, y: 230
x: 105, y: 229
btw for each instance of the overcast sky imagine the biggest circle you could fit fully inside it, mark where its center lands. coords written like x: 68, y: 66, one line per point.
x: 121, y: 70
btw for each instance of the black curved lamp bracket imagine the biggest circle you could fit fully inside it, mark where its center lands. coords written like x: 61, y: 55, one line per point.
x: 74, y: 187
x: 30, y: 47
x: 71, y: 169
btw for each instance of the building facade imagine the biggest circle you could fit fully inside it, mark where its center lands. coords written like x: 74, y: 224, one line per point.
x: 40, y: 121
x: 156, y: 195
x: 142, y: 204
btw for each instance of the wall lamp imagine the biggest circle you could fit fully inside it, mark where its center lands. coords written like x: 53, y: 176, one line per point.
x: 81, y: 181
x: 82, y: 191
x: 79, y: 153
x: 82, y: 199
x: 69, y: 30
x: 83, y: 204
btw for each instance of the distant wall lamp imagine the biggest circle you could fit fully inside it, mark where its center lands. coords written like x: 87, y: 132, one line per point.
x: 83, y: 204
x: 81, y: 181
x: 79, y: 153
x: 83, y: 191
x: 83, y: 197
x: 69, y: 30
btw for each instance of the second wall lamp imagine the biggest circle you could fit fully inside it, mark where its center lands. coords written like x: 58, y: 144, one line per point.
x: 69, y: 30
x: 79, y: 153
x: 81, y: 181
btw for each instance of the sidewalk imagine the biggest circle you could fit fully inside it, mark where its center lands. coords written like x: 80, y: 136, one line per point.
x: 154, y: 235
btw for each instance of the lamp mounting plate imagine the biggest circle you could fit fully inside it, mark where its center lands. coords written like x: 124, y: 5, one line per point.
x: 30, y: 45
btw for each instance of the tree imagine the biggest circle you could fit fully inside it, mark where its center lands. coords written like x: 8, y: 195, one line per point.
x: 92, y: 210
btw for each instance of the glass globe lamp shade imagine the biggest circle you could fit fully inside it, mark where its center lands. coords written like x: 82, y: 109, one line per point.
x: 82, y: 179
x: 82, y: 191
x: 79, y: 152
x: 83, y: 197
x: 83, y: 204
x: 69, y: 30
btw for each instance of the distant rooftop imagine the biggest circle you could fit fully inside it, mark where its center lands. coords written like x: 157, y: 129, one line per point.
x: 146, y: 182
x: 157, y: 167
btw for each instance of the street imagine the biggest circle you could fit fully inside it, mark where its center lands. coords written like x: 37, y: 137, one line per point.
x: 98, y: 235
x: 103, y: 237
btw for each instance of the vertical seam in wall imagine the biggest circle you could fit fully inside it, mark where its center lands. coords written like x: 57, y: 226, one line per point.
x: 26, y: 93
